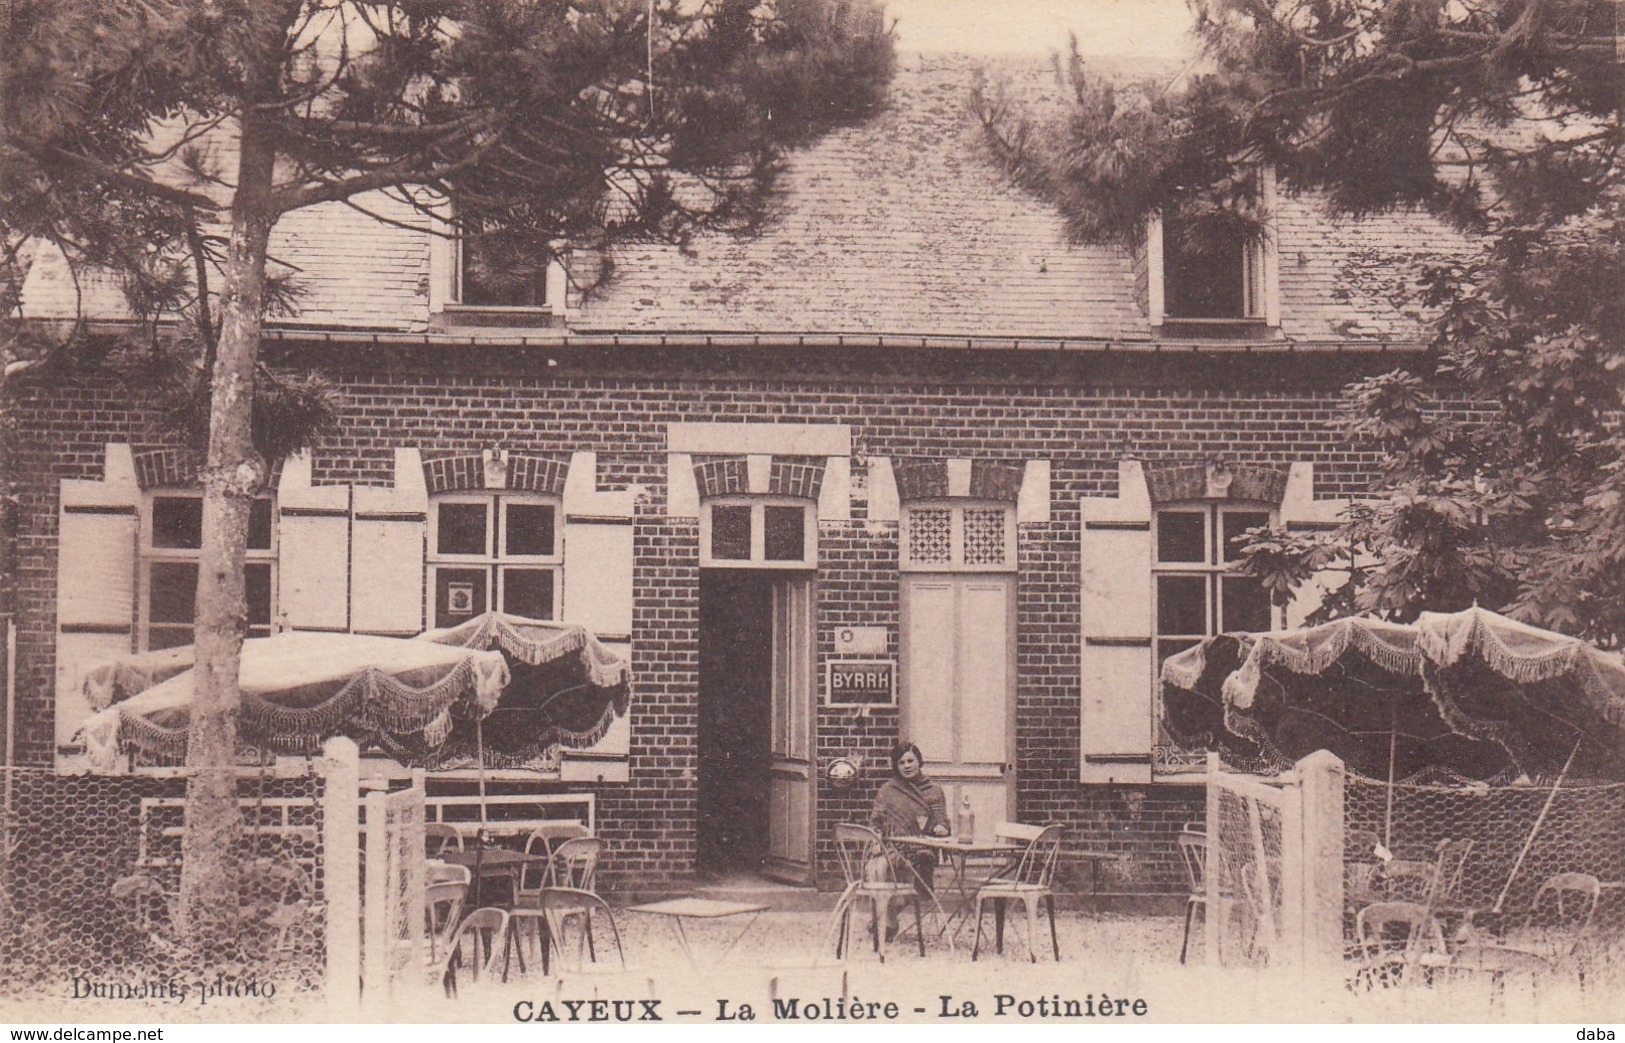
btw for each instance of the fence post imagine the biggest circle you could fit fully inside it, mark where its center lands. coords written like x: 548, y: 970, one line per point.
x: 1289, y: 948
x: 1321, y: 778
x: 375, y: 942
x: 1213, y: 910
x: 341, y: 880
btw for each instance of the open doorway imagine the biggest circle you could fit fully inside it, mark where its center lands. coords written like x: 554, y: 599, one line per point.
x: 736, y: 690
x: 756, y: 768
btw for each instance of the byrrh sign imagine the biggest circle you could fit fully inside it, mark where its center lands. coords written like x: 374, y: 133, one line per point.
x: 861, y: 682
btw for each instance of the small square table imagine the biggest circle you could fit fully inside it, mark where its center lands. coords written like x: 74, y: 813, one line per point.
x: 676, y: 910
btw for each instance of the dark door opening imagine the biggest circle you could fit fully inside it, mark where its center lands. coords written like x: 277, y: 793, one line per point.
x: 735, y: 719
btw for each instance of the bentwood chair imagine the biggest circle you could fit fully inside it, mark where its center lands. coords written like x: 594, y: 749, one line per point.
x: 1030, y: 882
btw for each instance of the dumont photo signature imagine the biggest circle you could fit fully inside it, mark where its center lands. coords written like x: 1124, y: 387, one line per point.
x: 812, y: 511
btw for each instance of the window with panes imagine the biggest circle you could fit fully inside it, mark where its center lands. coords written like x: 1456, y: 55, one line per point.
x: 171, y: 541
x: 748, y: 531
x: 1196, y: 590
x: 500, y: 551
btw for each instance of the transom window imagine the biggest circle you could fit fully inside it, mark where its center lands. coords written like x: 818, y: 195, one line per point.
x: 171, y: 540
x: 759, y: 532
x: 1196, y: 593
x: 494, y: 550
x: 958, y: 536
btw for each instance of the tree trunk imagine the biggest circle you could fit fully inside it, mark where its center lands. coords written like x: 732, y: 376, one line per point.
x: 233, y: 473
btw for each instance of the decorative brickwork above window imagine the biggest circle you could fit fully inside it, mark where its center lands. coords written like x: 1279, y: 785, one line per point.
x: 494, y: 471
x: 538, y: 475
x: 921, y: 479
x: 991, y: 480
x: 1170, y: 483
x: 454, y: 472
x: 155, y: 468
x: 799, y: 476
x: 721, y: 475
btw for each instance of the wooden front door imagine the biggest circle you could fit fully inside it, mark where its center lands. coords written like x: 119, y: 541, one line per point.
x: 794, y: 772
x: 959, y: 686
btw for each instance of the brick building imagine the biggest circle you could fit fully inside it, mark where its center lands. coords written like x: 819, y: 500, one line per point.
x: 906, y: 464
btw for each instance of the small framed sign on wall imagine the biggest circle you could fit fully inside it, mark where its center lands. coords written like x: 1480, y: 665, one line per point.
x: 860, y: 682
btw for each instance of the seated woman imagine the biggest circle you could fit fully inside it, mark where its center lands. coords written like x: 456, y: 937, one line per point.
x: 910, y: 804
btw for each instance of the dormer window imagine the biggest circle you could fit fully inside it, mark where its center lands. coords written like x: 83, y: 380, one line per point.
x: 494, y: 274
x: 491, y: 279
x: 1213, y: 276
x: 1211, y: 273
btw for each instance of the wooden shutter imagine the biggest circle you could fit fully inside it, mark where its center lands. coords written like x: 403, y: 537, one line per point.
x: 313, y: 550
x: 1300, y: 512
x: 597, y: 552
x: 97, y: 531
x: 386, y: 552
x: 1117, y: 639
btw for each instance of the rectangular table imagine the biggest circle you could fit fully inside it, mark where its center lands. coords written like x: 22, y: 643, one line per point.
x: 492, y: 863
x: 676, y: 910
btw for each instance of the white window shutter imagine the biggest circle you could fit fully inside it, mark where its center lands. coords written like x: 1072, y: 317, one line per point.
x: 1117, y: 639
x: 95, y: 580
x: 386, y: 551
x: 1301, y: 512
x: 313, y: 550
x: 597, y: 552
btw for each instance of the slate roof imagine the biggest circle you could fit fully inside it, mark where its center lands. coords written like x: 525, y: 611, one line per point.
x: 899, y: 226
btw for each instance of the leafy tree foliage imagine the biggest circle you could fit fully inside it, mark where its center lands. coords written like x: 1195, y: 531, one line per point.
x: 1502, y: 451
x: 163, y: 139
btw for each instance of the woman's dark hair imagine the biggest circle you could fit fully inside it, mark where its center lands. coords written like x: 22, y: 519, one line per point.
x: 902, y: 748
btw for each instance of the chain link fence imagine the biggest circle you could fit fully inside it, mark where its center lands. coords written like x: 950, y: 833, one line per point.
x: 90, y: 876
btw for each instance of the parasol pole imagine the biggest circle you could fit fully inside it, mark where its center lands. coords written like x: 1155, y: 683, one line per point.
x: 1529, y: 841
x: 1393, y: 742
x: 479, y: 766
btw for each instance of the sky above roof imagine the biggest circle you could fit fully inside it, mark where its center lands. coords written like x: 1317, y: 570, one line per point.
x: 1131, y: 28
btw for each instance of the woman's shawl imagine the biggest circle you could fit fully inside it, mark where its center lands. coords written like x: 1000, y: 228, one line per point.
x: 901, y: 806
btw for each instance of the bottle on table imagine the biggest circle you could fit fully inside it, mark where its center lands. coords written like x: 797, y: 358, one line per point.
x: 965, y: 821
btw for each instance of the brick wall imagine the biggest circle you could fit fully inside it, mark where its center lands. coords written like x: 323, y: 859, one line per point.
x: 1008, y: 409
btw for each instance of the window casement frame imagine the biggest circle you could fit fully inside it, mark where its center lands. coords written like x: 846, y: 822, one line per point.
x: 758, y: 504
x: 148, y: 555
x: 1212, y: 569
x: 956, y: 506
x: 1169, y: 761
x: 496, y: 559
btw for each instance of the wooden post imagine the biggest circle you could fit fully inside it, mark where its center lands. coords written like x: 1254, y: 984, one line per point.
x: 1322, y: 778
x: 340, y: 767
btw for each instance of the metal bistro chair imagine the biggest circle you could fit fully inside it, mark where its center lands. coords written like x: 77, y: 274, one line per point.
x: 439, y: 837
x: 567, y: 890
x: 1030, y: 882
x: 869, y: 866
x: 1395, y: 940
x: 1558, y: 920
x: 1192, y: 841
x: 476, y: 935
x: 443, y: 912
